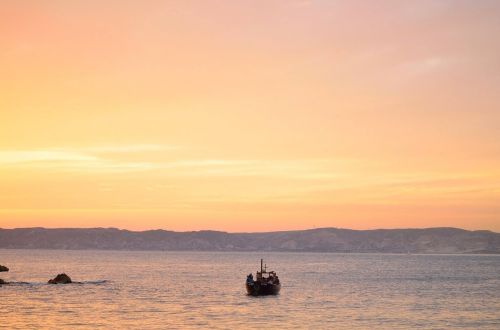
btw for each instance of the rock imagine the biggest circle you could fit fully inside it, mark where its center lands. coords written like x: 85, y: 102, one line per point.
x: 4, y: 268
x: 3, y: 282
x: 60, y: 279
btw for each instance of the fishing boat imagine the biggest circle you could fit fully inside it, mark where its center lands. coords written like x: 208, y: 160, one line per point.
x: 265, y: 283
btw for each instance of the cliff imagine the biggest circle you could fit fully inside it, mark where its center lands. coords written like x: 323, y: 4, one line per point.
x: 431, y: 240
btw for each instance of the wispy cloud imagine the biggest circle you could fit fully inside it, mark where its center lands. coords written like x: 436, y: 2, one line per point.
x: 425, y: 65
x: 101, y: 159
x: 130, y: 148
x: 74, y: 159
x: 298, y: 178
x: 8, y: 157
x: 293, y: 169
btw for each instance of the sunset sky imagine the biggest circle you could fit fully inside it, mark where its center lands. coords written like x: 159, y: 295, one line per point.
x: 250, y: 115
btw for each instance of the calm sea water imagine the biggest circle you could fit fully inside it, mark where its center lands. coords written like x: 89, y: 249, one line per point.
x: 206, y: 290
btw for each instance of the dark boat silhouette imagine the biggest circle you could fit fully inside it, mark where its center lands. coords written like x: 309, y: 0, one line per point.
x: 265, y: 283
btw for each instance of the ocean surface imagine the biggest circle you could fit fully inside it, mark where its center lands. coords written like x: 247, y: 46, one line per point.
x: 178, y: 290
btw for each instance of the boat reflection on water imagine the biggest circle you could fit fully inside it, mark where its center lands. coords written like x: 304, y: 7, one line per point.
x: 265, y: 283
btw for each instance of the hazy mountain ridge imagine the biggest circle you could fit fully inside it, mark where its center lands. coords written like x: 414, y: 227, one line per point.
x: 430, y: 240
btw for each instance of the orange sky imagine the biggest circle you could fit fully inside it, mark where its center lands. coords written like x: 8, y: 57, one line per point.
x: 250, y: 115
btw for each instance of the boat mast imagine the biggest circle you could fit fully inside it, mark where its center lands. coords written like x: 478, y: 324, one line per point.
x: 261, y: 266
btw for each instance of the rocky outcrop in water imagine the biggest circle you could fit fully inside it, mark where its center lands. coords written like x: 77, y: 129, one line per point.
x: 60, y: 279
x: 3, y: 269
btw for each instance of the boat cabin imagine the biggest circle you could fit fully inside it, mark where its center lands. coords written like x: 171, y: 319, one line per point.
x: 265, y: 276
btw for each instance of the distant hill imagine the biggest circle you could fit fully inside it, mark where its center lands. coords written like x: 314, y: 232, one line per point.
x: 431, y: 240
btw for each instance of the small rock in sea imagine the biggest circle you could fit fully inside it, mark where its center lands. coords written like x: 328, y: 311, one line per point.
x: 60, y: 279
x: 4, y: 268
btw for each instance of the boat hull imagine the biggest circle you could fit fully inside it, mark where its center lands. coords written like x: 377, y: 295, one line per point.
x: 255, y: 289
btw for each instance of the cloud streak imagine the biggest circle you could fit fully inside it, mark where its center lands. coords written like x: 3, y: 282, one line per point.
x: 12, y: 157
x: 97, y: 159
x: 77, y: 159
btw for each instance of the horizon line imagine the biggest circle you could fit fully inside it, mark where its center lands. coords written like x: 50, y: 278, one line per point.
x: 252, y: 232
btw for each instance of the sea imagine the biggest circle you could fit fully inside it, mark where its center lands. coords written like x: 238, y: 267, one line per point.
x: 205, y: 290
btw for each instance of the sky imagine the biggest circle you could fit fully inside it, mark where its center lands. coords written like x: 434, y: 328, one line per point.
x: 250, y: 115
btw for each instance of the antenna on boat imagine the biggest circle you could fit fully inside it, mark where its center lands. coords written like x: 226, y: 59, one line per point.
x: 261, y: 260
